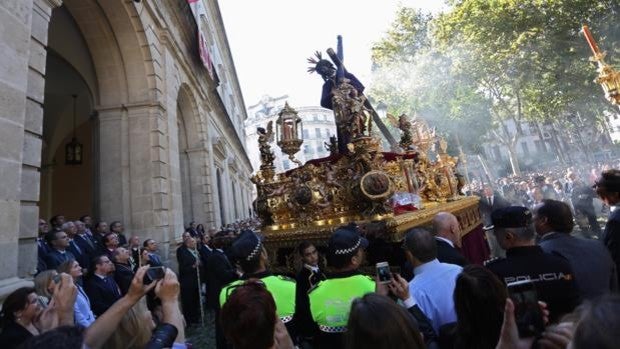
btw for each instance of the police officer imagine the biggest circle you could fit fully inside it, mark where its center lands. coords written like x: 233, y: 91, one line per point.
x: 551, y: 274
x: 330, y: 300
x: 252, y: 259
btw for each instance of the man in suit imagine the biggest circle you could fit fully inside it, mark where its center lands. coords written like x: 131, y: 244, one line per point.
x: 219, y: 272
x: 151, y: 246
x: 490, y: 201
x: 123, y: 272
x: 118, y: 228
x: 608, y: 189
x: 308, y: 276
x: 80, y: 256
x: 101, y: 288
x: 59, y: 242
x: 87, y: 244
x: 595, y: 271
x: 101, y: 228
x: 447, y: 234
x: 42, y: 246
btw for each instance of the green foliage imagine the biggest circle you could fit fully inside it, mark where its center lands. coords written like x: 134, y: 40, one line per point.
x: 488, y: 61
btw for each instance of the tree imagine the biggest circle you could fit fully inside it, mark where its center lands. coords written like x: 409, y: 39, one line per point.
x: 411, y: 77
x: 527, y: 57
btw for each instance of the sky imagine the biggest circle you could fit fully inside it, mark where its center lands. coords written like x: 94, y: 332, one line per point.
x: 270, y: 41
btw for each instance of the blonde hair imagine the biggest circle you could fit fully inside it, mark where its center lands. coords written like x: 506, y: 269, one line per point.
x: 131, y: 332
x: 42, y: 282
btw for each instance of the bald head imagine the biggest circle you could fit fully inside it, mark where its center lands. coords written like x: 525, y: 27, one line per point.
x: 446, y: 226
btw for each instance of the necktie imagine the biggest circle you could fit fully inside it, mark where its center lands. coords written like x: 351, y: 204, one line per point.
x: 88, y: 241
x: 489, y: 200
x: 77, y: 248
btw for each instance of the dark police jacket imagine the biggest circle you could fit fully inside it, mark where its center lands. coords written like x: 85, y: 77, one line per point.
x: 611, y: 237
x: 551, y: 274
x: 595, y: 271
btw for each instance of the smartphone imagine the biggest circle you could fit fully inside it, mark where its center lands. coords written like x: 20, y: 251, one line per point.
x: 383, y: 271
x: 528, y: 315
x: 56, y: 278
x: 154, y: 274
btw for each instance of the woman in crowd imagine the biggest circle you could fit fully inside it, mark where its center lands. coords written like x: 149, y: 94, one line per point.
x: 44, y: 286
x: 189, y: 267
x: 81, y: 309
x: 19, y: 312
x: 134, y: 330
x: 377, y: 322
x: 479, y: 298
x: 249, y: 319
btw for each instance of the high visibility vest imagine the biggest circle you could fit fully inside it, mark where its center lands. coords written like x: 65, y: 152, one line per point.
x: 281, y: 288
x: 330, y: 300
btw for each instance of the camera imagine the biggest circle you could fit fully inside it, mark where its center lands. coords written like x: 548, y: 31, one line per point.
x: 528, y: 315
x: 383, y: 271
x: 154, y: 274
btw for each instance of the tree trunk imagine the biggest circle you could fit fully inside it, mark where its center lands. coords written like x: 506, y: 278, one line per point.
x: 514, y: 160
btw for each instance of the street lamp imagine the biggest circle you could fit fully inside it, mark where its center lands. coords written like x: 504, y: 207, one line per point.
x: 289, y: 132
x: 73, y: 149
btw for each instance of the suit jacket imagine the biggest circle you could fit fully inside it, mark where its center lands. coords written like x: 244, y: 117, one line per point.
x: 219, y: 272
x: 595, y: 271
x: 187, y: 271
x: 486, y: 209
x: 123, y: 275
x: 80, y: 255
x: 88, y: 246
x: 55, y: 258
x: 611, y: 237
x: 154, y: 260
x: 448, y: 254
x: 205, y: 252
x: 101, y: 295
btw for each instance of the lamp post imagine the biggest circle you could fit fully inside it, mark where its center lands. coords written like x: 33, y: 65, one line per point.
x: 289, y: 132
x: 73, y: 149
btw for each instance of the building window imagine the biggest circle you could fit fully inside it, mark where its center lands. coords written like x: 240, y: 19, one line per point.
x: 318, y: 133
x: 307, y: 149
x: 539, y: 146
x: 286, y: 164
x: 526, y: 150
x: 328, y: 133
x: 306, y: 134
x: 315, y: 117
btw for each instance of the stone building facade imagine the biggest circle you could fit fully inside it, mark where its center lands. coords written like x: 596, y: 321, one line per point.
x: 317, y: 123
x: 162, y: 137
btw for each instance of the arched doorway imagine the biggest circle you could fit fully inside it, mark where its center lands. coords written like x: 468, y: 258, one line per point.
x: 67, y: 189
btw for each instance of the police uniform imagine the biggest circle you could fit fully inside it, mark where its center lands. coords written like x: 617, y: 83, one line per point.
x: 330, y: 300
x: 249, y: 247
x: 552, y: 274
x: 281, y: 288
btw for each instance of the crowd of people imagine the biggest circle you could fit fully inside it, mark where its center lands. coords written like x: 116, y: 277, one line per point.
x: 98, y: 288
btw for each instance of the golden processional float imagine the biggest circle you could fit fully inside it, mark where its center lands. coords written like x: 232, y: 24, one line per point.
x: 360, y: 183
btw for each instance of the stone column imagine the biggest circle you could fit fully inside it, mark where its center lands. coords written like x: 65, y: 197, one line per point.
x: 22, y: 80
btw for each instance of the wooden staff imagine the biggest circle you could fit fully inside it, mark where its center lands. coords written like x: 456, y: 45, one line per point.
x: 202, y: 311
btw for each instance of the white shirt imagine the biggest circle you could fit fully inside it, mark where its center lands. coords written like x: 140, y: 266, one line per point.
x: 433, y: 288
